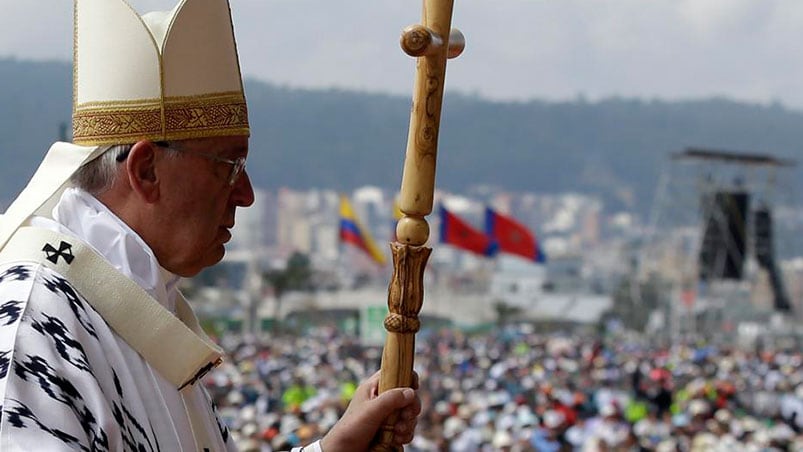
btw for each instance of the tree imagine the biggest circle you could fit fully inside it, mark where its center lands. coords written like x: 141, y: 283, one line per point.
x: 297, y: 275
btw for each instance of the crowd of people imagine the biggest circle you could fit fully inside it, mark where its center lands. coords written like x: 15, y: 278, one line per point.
x: 517, y: 390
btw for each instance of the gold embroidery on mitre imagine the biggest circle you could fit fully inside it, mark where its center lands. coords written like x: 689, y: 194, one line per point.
x: 206, y: 113
x: 98, y: 123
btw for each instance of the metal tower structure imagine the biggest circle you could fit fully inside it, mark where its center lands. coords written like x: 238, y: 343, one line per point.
x: 711, y: 242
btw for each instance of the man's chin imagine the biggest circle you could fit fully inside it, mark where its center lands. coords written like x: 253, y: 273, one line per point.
x: 212, y: 258
x: 215, y: 257
x: 221, y: 253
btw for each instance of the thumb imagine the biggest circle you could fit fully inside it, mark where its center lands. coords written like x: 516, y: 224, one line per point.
x: 389, y: 402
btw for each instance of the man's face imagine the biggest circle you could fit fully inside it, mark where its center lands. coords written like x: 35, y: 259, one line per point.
x: 197, y: 202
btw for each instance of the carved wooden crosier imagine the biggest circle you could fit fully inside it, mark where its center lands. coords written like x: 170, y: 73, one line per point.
x: 432, y: 43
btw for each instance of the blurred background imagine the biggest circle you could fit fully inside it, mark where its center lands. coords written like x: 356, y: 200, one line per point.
x: 617, y: 227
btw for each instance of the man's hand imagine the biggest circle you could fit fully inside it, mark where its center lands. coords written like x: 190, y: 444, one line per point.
x: 368, y: 411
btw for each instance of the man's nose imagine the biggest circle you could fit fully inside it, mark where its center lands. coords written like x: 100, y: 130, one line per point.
x: 243, y: 193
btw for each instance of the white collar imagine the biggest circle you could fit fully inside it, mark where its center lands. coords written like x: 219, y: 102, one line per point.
x: 82, y: 215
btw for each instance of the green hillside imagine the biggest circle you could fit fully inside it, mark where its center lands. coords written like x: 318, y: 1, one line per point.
x: 340, y: 139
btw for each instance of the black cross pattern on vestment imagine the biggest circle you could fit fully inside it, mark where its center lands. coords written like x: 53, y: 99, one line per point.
x: 53, y: 254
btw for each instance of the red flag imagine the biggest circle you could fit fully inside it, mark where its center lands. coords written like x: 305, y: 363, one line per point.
x: 458, y: 233
x: 512, y: 236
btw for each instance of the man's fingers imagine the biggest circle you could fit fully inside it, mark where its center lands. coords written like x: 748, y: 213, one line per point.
x: 404, y: 431
x: 371, y: 384
x: 397, y: 398
x: 375, y: 376
x: 401, y: 439
x: 411, y: 411
x: 387, y: 403
x: 369, y: 388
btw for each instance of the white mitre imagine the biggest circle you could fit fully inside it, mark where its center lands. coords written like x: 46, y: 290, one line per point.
x: 161, y: 76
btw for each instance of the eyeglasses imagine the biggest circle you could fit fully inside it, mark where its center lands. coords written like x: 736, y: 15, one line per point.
x: 237, y: 165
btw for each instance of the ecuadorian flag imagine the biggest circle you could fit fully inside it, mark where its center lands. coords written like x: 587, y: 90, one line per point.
x: 351, y: 231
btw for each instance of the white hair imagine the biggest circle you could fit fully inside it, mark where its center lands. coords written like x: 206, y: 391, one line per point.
x: 97, y: 176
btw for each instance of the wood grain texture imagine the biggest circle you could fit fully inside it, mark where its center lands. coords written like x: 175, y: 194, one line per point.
x: 405, y: 299
x: 418, y: 178
x: 429, y: 42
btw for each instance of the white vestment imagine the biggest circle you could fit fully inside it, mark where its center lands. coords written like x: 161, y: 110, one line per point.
x: 67, y: 380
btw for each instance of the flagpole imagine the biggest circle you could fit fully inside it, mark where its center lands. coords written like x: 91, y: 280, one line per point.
x: 432, y: 43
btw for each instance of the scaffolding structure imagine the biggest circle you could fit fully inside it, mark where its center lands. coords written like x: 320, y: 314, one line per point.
x: 710, y: 243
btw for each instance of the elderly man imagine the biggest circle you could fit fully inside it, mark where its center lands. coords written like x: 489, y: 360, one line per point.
x: 98, y: 349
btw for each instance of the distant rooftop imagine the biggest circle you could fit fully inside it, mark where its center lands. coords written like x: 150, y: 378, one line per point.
x: 732, y: 157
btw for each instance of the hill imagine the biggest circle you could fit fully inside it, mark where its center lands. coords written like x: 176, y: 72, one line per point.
x: 341, y: 139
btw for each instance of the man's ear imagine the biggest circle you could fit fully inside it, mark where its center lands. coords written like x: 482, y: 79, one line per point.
x: 140, y: 168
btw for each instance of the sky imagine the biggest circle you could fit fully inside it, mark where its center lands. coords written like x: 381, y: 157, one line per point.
x: 746, y: 50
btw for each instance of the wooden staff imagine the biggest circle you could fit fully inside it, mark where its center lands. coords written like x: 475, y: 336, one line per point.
x: 432, y: 42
